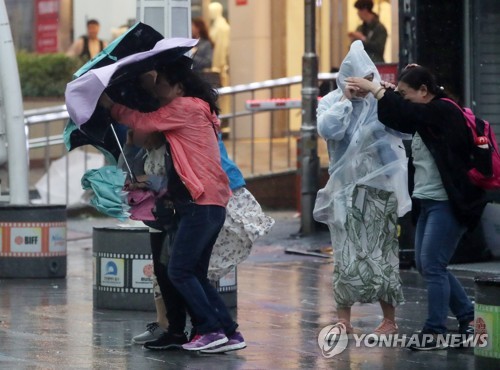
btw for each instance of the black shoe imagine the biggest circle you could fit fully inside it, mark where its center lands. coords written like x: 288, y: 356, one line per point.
x: 465, y: 335
x: 427, y: 341
x: 167, y: 341
x: 466, y: 328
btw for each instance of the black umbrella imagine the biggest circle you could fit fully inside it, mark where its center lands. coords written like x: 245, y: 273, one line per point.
x: 120, y: 81
x: 140, y: 37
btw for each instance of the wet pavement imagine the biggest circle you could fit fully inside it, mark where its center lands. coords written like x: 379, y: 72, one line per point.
x: 284, y: 300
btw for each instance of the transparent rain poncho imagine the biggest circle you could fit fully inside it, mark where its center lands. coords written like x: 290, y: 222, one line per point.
x: 365, y: 193
x: 362, y: 150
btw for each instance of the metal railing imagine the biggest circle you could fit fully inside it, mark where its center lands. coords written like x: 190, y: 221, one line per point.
x: 255, y: 151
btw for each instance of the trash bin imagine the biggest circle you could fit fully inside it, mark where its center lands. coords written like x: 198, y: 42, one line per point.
x: 123, y: 266
x: 490, y: 221
x: 406, y: 237
x: 487, y: 320
x: 33, y: 241
x: 227, y: 286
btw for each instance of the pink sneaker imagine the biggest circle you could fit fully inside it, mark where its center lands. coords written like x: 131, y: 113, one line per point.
x: 206, y: 341
x: 234, y: 343
x: 386, y: 327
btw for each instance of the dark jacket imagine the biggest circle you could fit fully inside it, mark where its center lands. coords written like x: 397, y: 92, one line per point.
x: 202, y: 58
x: 376, y: 37
x: 443, y: 130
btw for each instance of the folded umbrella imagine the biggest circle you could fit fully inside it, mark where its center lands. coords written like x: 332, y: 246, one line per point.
x: 107, y: 194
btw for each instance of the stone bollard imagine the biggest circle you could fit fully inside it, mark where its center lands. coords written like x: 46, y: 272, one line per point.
x: 227, y: 286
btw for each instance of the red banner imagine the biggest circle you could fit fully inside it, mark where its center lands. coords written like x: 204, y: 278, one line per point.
x: 46, y: 25
x: 388, y: 72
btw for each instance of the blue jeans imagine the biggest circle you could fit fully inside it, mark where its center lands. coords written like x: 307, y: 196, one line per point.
x: 198, y: 228
x: 436, y: 238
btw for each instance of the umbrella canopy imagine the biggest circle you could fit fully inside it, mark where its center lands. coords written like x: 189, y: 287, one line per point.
x: 82, y: 94
x: 109, y: 147
x: 138, y: 38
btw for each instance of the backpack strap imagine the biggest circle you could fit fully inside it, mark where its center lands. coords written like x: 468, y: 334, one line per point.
x: 85, y: 51
x: 480, y: 125
x: 454, y: 103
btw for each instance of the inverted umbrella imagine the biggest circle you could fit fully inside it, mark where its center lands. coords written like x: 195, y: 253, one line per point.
x: 138, y: 38
x: 82, y: 94
x: 107, y: 145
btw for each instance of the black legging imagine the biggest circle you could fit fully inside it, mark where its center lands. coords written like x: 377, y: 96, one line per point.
x: 174, y: 302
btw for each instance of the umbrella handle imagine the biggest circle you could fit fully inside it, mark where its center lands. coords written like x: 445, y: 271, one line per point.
x: 132, y: 176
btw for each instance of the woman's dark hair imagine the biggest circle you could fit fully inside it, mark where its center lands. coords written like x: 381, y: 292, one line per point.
x: 180, y: 72
x: 200, y: 24
x: 417, y: 76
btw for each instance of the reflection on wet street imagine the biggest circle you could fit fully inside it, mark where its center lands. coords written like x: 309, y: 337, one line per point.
x: 283, y: 303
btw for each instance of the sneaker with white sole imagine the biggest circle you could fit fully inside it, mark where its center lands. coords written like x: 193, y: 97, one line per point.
x: 206, y: 341
x: 153, y: 332
x: 428, y: 341
x: 234, y: 343
x: 167, y: 341
x: 465, y: 336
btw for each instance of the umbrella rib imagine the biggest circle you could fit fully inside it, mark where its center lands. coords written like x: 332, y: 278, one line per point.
x: 132, y: 176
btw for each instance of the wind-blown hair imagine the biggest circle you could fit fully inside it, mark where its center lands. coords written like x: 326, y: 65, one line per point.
x: 180, y: 72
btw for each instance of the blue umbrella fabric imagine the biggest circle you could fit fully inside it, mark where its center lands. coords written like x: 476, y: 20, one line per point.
x: 107, y: 194
x: 82, y: 94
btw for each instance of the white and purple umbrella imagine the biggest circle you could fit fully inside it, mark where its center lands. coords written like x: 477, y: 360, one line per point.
x: 82, y: 94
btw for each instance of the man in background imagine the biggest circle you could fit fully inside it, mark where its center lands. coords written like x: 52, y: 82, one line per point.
x: 372, y: 33
x: 88, y: 46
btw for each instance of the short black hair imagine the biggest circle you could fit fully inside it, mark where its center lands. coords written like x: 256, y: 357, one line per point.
x: 92, y: 21
x: 364, y: 4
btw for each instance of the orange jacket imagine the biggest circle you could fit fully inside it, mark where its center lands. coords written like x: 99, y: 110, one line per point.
x: 190, y: 128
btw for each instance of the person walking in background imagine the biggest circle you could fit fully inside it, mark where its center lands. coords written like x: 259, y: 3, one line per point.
x: 449, y: 202
x: 203, y: 51
x: 200, y: 192
x: 88, y: 46
x: 365, y: 193
x: 372, y: 32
